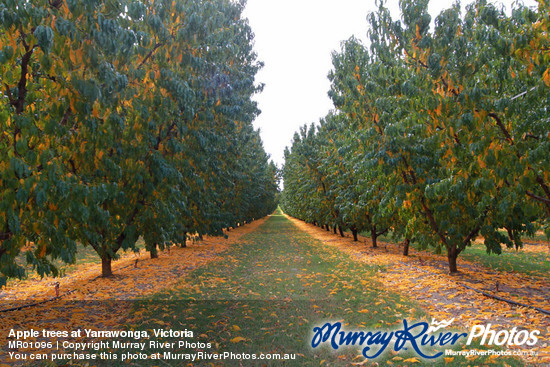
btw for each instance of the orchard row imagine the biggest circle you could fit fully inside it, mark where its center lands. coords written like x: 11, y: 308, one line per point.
x: 122, y: 120
x: 439, y: 136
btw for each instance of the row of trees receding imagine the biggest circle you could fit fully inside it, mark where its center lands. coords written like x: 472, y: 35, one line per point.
x: 439, y: 136
x: 121, y: 120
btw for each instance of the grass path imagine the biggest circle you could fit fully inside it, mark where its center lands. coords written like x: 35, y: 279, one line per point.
x: 268, y: 293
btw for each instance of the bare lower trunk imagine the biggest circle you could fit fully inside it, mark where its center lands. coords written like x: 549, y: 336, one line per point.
x: 341, y: 231
x: 106, y: 270
x: 406, y: 247
x: 354, y: 233
x: 334, y: 228
x: 374, y: 237
x: 154, y: 252
x: 452, y: 254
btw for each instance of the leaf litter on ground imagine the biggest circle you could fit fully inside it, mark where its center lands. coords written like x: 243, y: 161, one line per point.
x: 424, y: 277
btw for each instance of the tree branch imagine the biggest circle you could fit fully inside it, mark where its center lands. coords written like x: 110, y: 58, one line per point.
x: 149, y: 55
x: 501, y: 126
x: 10, y: 97
x: 537, y: 197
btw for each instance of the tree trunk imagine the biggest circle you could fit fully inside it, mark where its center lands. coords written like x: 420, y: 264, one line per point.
x: 334, y: 228
x: 406, y: 247
x: 106, y: 270
x: 452, y: 254
x: 327, y: 228
x: 373, y: 236
x: 154, y: 252
x: 341, y: 231
x: 354, y: 233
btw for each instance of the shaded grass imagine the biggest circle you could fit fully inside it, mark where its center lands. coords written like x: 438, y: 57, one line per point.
x: 84, y: 255
x: 531, y: 263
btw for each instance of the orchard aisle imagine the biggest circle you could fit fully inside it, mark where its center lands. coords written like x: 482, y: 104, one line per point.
x: 270, y: 291
x: 271, y: 285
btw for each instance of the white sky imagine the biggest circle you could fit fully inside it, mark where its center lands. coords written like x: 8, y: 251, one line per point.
x: 295, y: 38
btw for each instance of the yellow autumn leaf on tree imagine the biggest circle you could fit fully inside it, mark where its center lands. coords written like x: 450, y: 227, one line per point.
x: 95, y: 112
x: 42, y: 251
x: 546, y: 77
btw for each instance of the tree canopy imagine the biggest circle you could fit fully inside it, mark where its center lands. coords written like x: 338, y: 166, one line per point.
x: 123, y: 119
x: 438, y: 135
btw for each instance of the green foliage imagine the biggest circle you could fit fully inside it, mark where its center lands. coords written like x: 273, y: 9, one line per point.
x: 442, y: 132
x: 123, y: 119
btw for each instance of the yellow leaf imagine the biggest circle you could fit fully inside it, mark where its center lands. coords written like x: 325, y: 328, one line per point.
x: 411, y: 360
x: 481, y: 162
x: 95, y: 112
x: 43, y: 250
x: 78, y: 56
x: 448, y: 359
x: 237, y: 339
x: 546, y: 77
x: 236, y: 328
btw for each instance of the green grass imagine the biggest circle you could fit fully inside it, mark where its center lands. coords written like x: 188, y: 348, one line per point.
x: 509, y: 260
x: 388, y: 237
